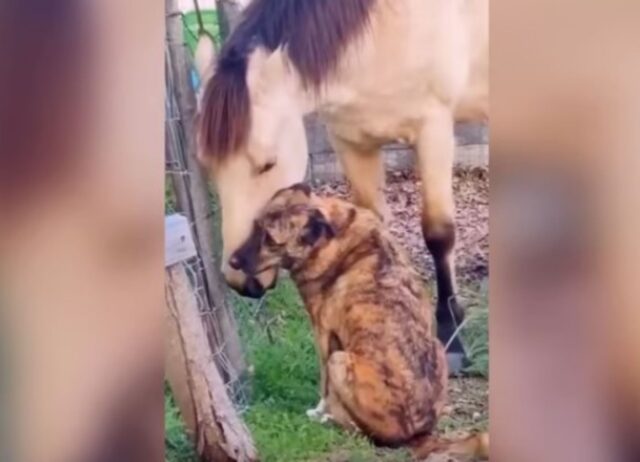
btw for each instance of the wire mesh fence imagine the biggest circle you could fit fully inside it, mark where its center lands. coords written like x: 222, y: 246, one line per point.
x: 234, y: 383
x: 182, y: 179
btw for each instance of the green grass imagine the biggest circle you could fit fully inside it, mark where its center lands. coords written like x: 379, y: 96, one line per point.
x: 210, y: 21
x: 178, y: 447
x: 476, y: 330
x: 170, y: 205
x: 282, y: 353
x: 284, y: 383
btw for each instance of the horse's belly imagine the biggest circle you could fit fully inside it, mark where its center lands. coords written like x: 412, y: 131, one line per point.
x: 473, y: 107
x: 374, y: 125
x: 387, y: 114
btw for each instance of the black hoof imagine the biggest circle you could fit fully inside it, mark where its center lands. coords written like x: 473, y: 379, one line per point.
x: 448, y: 333
x: 457, y: 363
x: 456, y: 353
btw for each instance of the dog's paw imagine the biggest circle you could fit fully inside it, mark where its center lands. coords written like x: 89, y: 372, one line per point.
x: 313, y: 414
x: 319, y: 416
x: 317, y: 412
x: 326, y: 418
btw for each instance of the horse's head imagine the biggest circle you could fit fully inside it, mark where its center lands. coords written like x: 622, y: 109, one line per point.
x: 253, y: 142
x: 251, y: 133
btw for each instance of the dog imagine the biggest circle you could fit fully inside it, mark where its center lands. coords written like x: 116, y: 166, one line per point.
x: 383, y: 370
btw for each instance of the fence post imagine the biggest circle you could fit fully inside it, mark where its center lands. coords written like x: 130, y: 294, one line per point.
x: 229, y: 15
x: 195, y: 202
x: 209, y: 414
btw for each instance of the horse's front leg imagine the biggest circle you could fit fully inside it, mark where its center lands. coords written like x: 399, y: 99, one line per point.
x: 364, y: 168
x: 435, y: 150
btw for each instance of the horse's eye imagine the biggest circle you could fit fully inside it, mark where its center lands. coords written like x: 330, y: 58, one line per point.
x: 266, y: 167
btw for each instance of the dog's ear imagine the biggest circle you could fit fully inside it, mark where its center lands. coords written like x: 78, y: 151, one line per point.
x: 317, y: 227
x: 298, y: 194
x: 303, y: 188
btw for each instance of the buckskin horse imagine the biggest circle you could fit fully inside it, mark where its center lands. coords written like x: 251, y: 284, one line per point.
x: 375, y: 71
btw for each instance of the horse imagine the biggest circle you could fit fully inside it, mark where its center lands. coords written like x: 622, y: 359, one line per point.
x: 375, y: 71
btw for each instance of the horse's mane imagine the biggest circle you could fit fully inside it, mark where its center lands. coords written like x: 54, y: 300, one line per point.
x: 313, y: 33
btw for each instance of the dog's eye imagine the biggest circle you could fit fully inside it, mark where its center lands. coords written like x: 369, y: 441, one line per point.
x: 269, y: 241
x: 266, y: 167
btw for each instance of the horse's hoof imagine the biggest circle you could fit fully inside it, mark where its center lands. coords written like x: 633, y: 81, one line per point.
x: 457, y: 358
x: 458, y: 362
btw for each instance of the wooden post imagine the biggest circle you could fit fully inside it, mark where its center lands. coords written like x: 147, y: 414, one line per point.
x: 209, y: 414
x: 229, y: 15
x: 197, y: 205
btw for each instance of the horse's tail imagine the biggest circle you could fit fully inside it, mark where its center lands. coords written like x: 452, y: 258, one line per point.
x: 475, y: 446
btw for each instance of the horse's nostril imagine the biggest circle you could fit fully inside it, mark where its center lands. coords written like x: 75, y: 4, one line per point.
x: 253, y: 288
x: 234, y: 262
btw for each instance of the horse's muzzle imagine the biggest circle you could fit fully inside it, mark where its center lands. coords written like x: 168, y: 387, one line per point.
x: 252, y: 288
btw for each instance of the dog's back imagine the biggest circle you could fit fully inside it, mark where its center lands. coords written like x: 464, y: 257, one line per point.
x: 362, y: 292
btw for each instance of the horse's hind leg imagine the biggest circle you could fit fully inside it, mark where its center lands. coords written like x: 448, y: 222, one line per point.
x: 435, y: 149
x: 364, y: 168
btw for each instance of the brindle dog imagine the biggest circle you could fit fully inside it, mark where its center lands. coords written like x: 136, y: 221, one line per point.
x: 384, y: 372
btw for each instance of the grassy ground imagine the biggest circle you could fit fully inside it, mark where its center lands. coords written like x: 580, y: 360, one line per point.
x: 284, y: 383
x: 177, y: 446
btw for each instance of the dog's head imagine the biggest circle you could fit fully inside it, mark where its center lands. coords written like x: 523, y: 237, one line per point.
x: 287, y: 230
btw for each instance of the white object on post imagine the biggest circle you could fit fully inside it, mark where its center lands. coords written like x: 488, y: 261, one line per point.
x: 178, y: 242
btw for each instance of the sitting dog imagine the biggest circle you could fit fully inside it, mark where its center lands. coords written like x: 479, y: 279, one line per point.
x: 383, y: 371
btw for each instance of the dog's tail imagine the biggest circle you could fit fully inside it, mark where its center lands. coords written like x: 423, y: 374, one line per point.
x: 475, y: 446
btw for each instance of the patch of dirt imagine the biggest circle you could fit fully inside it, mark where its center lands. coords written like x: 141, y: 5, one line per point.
x: 467, y: 409
x: 471, y: 192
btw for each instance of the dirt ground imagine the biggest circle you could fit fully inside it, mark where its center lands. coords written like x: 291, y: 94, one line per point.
x: 468, y: 397
x: 471, y: 189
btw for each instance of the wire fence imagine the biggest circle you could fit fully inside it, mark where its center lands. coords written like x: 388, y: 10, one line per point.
x: 181, y: 177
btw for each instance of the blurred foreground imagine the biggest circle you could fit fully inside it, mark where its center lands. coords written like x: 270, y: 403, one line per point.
x: 81, y: 204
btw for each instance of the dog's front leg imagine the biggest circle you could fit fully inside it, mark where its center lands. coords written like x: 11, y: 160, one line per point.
x: 320, y: 410
x: 319, y: 413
